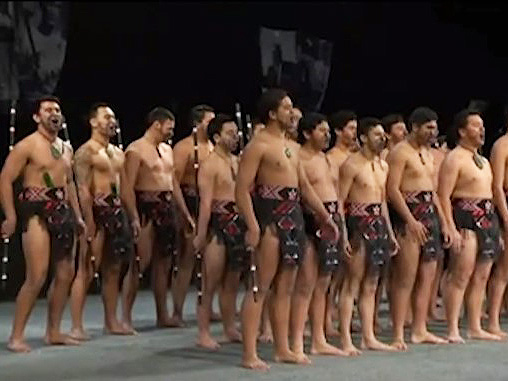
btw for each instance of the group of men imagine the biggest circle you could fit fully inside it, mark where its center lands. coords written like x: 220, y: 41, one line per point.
x: 313, y: 229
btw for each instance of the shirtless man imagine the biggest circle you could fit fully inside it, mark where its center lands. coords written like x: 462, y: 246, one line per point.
x: 221, y: 231
x: 362, y: 187
x: 499, y: 279
x: 396, y: 131
x: 292, y: 133
x: 322, y: 255
x: 465, y: 193
x: 271, y: 165
x: 344, y: 123
x: 50, y: 216
x: 149, y: 169
x: 200, y: 116
x: 418, y: 222
x: 103, y: 194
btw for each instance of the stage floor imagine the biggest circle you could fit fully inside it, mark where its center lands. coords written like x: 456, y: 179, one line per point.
x: 170, y: 354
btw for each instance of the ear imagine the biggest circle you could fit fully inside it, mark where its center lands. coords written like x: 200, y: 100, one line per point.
x: 363, y: 139
x: 460, y: 132
x: 216, y: 137
x: 36, y: 118
x: 272, y: 114
x: 306, y: 134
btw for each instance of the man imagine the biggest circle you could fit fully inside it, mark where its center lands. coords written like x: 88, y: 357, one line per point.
x: 396, y: 131
x: 200, y: 116
x: 273, y: 167
x: 344, y: 123
x: 465, y: 193
x: 221, y: 231
x: 49, y: 214
x: 362, y: 187
x: 104, y: 196
x: 322, y: 254
x: 499, y: 279
x: 150, y: 173
x: 292, y: 133
x: 418, y: 222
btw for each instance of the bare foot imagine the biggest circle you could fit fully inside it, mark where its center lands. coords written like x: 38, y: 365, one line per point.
x: 79, y: 334
x: 399, y: 344
x: 332, y: 332
x: 233, y: 336
x: 255, y: 364
x: 455, y: 339
x: 171, y: 322
x: 351, y: 350
x: 117, y: 329
x: 287, y: 357
x: 427, y: 337
x: 266, y: 337
x: 303, y: 359
x: 498, y: 332
x: 482, y: 335
x: 60, y: 339
x: 376, y: 345
x: 326, y: 349
x: 18, y: 346
x: 207, y: 342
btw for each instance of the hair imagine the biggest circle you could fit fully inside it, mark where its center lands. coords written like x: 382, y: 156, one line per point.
x: 460, y: 121
x: 421, y: 115
x: 389, y: 120
x: 45, y: 98
x: 197, y: 113
x: 216, y: 124
x: 270, y: 101
x: 366, y: 124
x: 308, y: 123
x: 341, y: 118
x: 92, y: 113
x: 159, y: 114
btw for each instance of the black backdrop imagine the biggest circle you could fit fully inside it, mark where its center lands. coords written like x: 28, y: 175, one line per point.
x: 387, y: 57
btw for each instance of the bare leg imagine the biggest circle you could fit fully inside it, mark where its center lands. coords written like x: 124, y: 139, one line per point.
x: 459, y: 272
x: 404, y: 267
x: 36, y: 247
x: 144, y: 249
x: 300, y: 300
x: 434, y: 312
x: 227, y: 303
x: 266, y: 335
x: 214, y: 265
x: 182, y: 281
x: 57, y: 298
x: 422, y: 290
x: 267, y: 264
x: 497, y: 289
x: 331, y: 306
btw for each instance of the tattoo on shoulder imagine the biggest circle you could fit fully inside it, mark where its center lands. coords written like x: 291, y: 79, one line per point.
x: 82, y: 167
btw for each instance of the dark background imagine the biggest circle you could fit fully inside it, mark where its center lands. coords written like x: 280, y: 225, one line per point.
x: 387, y: 57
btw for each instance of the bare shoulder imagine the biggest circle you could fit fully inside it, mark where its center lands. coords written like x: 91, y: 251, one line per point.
x: 384, y: 165
x: 500, y: 146
x: 166, y: 149
x: 184, y: 144
x: 257, y: 144
x: 453, y: 158
x: 210, y: 163
x: 84, y: 151
x: 350, y: 165
x: 26, y: 145
x: 134, y: 146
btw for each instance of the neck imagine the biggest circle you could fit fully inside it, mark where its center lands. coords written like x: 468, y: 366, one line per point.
x: 339, y: 144
x: 275, y: 129
x: 153, y: 137
x: 311, y: 148
x: 102, y: 139
x: 370, y: 155
x: 468, y: 146
x: 222, y: 151
x: 49, y: 135
x: 413, y: 141
x: 201, y: 135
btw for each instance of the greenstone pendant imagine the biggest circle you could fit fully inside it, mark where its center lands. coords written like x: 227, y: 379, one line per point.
x: 55, y: 152
x: 478, y: 160
x: 287, y: 152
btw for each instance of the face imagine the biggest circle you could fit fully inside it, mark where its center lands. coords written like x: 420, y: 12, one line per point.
x: 426, y: 133
x: 348, y: 133
x: 49, y: 116
x: 167, y: 128
x: 284, y: 113
x: 398, y: 132
x: 375, y: 139
x: 229, y: 136
x: 474, y: 132
x: 320, y: 136
x: 295, y: 119
x: 104, y: 122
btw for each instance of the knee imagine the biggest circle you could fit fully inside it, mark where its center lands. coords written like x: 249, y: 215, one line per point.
x: 36, y: 281
x: 461, y: 276
x: 65, y: 274
x: 350, y: 287
x: 369, y: 287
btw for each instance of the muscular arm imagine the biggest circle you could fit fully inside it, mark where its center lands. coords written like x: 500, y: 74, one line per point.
x: 247, y: 170
x: 397, y: 163
x: 498, y: 162
x: 386, y: 215
x: 206, y: 181
x: 180, y: 201
x: 73, y: 195
x: 128, y: 176
x: 181, y: 155
x: 83, y: 172
x: 14, y: 165
x: 448, y: 174
x: 347, y: 174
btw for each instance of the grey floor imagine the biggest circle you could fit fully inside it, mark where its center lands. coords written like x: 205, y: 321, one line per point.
x: 170, y: 355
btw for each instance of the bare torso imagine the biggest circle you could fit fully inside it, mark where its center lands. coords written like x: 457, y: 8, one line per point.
x: 322, y: 175
x: 472, y: 182
x: 187, y: 147
x: 155, y: 172
x: 105, y: 169
x: 418, y: 173
x: 337, y: 156
x: 225, y: 176
x: 368, y: 185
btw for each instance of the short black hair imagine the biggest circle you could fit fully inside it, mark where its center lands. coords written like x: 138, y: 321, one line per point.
x: 159, y: 114
x: 461, y: 119
x: 366, y: 124
x: 341, y: 118
x: 308, y: 123
x: 216, y: 124
x: 389, y: 120
x: 421, y: 115
x: 45, y: 98
x: 92, y: 113
x: 198, y: 113
x: 270, y: 101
